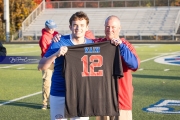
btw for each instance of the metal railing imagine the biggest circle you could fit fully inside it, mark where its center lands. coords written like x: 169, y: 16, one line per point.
x: 93, y: 4
x: 177, y: 22
x: 33, y: 15
x: 109, y: 3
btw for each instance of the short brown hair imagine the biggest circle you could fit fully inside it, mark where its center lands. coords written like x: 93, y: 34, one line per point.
x: 79, y: 16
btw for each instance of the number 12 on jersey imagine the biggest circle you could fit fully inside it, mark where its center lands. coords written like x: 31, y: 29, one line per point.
x: 88, y: 69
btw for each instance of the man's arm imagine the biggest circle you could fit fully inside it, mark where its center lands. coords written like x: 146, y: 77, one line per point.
x: 129, y: 55
x: 45, y: 62
x: 99, y: 40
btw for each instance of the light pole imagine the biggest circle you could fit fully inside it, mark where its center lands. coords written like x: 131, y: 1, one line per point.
x: 6, y: 18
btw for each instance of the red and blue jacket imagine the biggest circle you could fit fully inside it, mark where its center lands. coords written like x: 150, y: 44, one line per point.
x: 130, y: 62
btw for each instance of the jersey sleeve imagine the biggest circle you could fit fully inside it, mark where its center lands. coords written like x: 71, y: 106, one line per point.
x: 54, y: 47
x: 129, y: 55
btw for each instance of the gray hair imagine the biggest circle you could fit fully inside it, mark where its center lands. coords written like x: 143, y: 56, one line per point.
x: 112, y: 16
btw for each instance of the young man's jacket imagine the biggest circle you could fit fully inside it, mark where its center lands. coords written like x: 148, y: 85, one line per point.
x: 130, y: 62
x: 45, y: 40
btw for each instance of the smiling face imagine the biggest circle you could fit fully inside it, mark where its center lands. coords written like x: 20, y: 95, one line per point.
x: 78, y: 24
x: 112, y: 27
x: 78, y: 28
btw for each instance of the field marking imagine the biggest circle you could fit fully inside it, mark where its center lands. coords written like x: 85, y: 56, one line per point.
x: 159, y: 56
x: 11, y: 66
x: 23, y: 52
x: 140, y: 69
x: 20, y: 68
x: 10, y: 101
x: 166, y: 69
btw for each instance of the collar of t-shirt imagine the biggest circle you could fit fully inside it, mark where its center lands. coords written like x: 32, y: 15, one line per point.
x: 72, y: 40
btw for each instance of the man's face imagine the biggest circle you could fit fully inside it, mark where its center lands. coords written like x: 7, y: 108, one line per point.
x: 112, y: 29
x: 78, y: 28
x: 51, y: 31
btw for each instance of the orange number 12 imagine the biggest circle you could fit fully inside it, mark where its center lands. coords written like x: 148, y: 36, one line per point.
x: 96, y: 61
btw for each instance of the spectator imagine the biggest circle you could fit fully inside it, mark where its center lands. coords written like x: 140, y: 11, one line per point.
x: 2, y: 50
x: 47, y: 34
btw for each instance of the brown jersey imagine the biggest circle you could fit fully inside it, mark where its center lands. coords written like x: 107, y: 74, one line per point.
x: 91, y: 72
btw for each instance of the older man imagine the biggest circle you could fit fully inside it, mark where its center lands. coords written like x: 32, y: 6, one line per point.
x: 130, y: 62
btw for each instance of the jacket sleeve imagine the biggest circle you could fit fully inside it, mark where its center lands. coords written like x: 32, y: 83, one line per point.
x: 99, y: 40
x: 129, y: 55
x: 2, y: 50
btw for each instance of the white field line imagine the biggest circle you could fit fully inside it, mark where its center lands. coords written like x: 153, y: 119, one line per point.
x: 11, y: 66
x: 159, y: 56
x: 22, y: 52
x: 10, y: 101
x: 20, y: 68
x: 166, y: 69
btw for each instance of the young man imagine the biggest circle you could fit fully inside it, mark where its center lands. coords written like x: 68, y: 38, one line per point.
x: 130, y: 62
x: 47, y: 34
x: 78, y: 25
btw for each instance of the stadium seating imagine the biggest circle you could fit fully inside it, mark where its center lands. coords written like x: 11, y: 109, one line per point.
x: 135, y: 21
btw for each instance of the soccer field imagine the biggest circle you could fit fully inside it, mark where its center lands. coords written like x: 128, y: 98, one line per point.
x: 156, y: 84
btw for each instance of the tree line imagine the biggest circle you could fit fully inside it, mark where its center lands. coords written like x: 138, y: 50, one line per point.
x: 18, y: 11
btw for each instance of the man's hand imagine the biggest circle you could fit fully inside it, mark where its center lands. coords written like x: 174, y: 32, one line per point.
x: 62, y: 51
x: 116, y: 42
x: 56, y: 38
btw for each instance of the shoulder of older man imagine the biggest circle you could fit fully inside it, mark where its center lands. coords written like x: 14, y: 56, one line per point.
x: 99, y: 40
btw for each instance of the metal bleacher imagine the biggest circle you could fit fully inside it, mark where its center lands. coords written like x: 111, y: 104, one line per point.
x: 137, y: 21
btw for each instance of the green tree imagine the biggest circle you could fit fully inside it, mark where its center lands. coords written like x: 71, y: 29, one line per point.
x: 2, y: 37
x: 19, y: 10
x: 175, y: 2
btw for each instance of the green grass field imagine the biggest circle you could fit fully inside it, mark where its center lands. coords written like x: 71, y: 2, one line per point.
x: 20, y: 91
